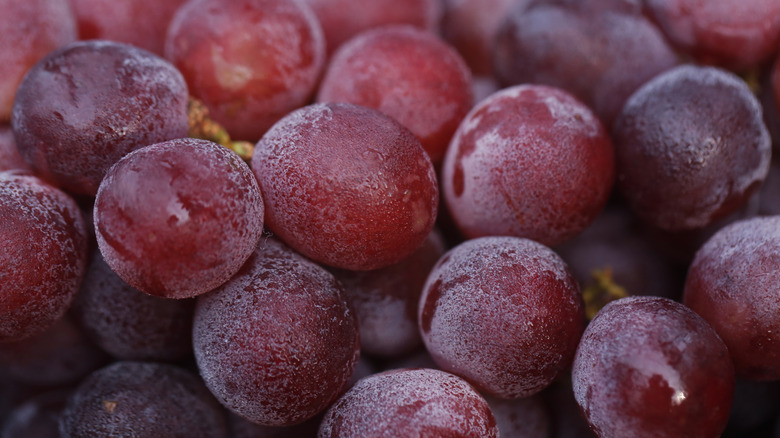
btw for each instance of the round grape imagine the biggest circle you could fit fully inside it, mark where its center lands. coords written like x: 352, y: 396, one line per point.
x: 178, y: 218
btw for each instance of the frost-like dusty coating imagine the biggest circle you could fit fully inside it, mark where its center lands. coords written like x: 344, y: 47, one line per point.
x: 528, y: 161
x: 651, y: 367
x: 504, y: 313
x: 142, y: 399
x: 407, y: 73
x: 410, y: 403
x: 734, y: 283
x: 43, y: 256
x: 691, y: 147
x: 178, y: 218
x: 252, y: 78
x: 90, y: 103
x: 278, y: 342
x: 346, y: 186
x: 129, y: 324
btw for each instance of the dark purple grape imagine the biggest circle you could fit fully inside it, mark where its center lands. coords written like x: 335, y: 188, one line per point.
x: 86, y: 105
x: 651, y: 367
x: 346, y: 186
x: 30, y: 29
x: 691, y: 148
x: 37, y: 417
x: 178, y: 218
x: 504, y: 313
x: 142, y: 399
x: 43, y: 257
x: 129, y: 324
x: 734, y: 284
x: 278, y: 342
x: 529, y: 161
x: 407, y: 403
x: 599, y: 51
x: 61, y: 355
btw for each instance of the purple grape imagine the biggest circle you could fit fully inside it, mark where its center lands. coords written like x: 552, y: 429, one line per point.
x: 86, y: 105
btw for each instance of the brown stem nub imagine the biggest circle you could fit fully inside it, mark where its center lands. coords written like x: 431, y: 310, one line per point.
x: 204, y: 127
x: 599, y: 293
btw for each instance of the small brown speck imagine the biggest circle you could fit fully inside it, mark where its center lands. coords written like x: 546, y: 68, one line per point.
x: 109, y: 405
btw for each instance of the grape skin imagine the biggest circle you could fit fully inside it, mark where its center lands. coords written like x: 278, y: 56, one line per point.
x: 44, y: 254
x: 87, y: 104
x: 178, y: 218
x: 651, y: 367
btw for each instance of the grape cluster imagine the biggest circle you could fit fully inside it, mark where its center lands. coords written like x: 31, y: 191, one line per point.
x: 379, y: 219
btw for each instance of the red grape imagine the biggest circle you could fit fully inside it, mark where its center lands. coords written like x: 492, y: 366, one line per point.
x: 408, y: 74
x: 346, y: 186
x: 691, y: 147
x: 30, y: 29
x: 86, y: 105
x: 529, y: 161
x: 278, y: 342
x: 249, y: 61
x: 343, y: 19
x: 178, y: 218
x: 504, y: 313
x: 142, y: 399
x: 736, y: 34
x: 734, y: 283
x: 410, y: 402
x: 142, y: 23
x: 44, y: 255
x: 651, y: 367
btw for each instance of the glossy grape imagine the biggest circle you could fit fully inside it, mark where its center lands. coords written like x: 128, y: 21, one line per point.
x: 504, y: 313
x: 178, y: 218
x: 128, y: 323
x: 30, y: 29
x: 278, y: 342
x: 732, y: 283
x: 346, y: 186
x: 407, y: 73
x: 86, y: 105
x: 410, y: 402
x: 651, y: 367
x: 249, y: 61
x: 142, y: 399
x: 528, y: 161
x: 43, y: 257
x: 691, y: 148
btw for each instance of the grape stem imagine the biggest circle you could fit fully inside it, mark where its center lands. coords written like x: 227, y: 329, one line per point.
x: 204, y: 127
x: 603, y: 290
